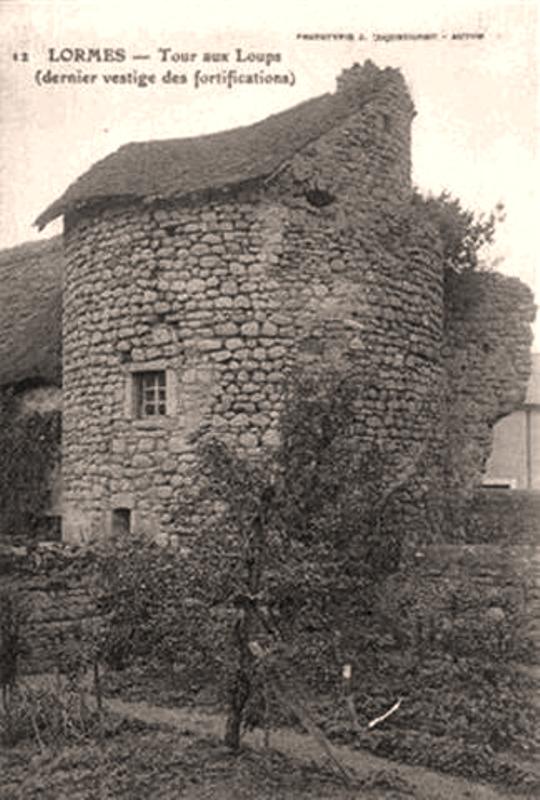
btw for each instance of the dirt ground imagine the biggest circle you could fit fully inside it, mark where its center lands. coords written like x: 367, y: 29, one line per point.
x: 171, y: 753
x: 422, y: 784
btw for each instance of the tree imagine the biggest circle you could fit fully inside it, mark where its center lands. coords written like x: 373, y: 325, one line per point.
x: 463, y: 234
x: 465, y: 238
x: 300, y: 531
x: 295, y: 542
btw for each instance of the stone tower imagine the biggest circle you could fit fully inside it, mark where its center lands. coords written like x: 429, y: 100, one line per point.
x: 198, y: 271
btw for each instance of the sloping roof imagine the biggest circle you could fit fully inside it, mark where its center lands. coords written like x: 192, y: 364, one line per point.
x: 31, y: 312
x: 180, y: 167
x: 533, y: 388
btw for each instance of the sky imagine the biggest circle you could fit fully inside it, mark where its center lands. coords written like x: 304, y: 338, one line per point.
x: 475, y: 133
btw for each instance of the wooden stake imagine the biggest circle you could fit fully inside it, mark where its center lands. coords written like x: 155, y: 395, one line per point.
x: 289, y: 703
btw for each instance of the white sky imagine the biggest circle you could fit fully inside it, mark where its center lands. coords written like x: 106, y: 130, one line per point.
x: 476, y: 132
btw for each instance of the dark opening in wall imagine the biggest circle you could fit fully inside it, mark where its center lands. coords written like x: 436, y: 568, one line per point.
x: 319, y: 197
x: 387, y: 124
x: 121, y: 521
x: 52, y: 527
x: 170, y: 230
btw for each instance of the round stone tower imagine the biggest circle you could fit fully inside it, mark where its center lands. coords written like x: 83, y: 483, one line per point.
x: 199, y: 271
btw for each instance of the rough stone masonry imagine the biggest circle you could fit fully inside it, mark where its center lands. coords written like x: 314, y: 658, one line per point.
x: 198, y: 272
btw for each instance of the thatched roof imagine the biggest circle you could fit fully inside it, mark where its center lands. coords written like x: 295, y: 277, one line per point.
x: 181, y: 167
x: 30, y: 312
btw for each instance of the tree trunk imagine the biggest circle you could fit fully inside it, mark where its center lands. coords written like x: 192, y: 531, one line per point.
x: 241, y: 682
x: 245, y: 626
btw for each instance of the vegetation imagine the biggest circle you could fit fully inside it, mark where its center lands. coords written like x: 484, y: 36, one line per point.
x: 296, y: 545
x: 29, y: 449
x: 464, y: 234
x: 465, y: 238
x: 269, y: 601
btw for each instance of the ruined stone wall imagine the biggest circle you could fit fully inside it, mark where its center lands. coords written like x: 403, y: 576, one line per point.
x: 321, y: 263
x: 487, y: 366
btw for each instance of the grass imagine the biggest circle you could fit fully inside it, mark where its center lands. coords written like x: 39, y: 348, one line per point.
x: 399, y: 741
x: 139, y: 763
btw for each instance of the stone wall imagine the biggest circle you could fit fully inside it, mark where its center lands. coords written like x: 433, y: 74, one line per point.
x: 52, y: 584
x: 455, y: 635
x: 487, y: 365
x: 469, y: 600
x: 320, y: 264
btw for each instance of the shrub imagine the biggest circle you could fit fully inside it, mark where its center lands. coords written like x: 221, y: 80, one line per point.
x: 29, y: 449
x: 151, y: 599
x: 12, y: 646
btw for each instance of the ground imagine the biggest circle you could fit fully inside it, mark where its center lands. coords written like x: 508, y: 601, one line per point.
x: 168, y: 753
x: 162, y: 739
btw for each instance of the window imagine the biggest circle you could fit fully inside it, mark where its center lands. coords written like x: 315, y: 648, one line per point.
x: 151, y: 393
x: 52, y: 526
x: 121, y: 521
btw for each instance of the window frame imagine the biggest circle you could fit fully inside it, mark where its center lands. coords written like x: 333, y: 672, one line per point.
x: 133, y: 402
x: 151, y: 393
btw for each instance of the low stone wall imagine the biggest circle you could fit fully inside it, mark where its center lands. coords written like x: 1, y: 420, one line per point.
x: 460, y: 639
x: 503, y: 515
x: 469, y: 600
x: 53, y: 586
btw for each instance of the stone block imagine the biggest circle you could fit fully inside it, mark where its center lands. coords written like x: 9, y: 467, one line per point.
x: 249, y: 440
x: 178, y: 444
x: 195, y: 286
x: 241, y: 301
x: 278, y: 351
x: 222, y: 356
x: 140, y: 461
x: 146, y: 445
x: 207, y: 345
x: 199, y: 249
x: 161, y: 335
x: 226, y: 329
x: 250, y: 329
x: 233, y: 344
x: 122, y: 500
x: 210, y: 261
x: 229, y: 288
x: 223, y: 302
x: 269, y: 329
